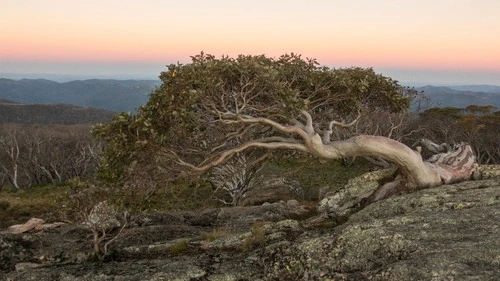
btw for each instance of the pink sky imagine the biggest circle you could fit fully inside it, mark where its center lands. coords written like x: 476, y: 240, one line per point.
x: 435, y: 35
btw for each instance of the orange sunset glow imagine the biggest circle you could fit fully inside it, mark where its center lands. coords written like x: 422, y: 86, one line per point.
x: 445, y: 35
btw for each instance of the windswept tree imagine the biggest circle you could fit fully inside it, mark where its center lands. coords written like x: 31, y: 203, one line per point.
x: 211, y: 109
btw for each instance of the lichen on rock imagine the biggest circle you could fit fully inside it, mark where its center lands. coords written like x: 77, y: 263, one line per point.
x: 444, y: 233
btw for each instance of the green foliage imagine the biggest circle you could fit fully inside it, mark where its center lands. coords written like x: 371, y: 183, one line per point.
x: 185, y: 114
x: 478, y: 109
x: 125, y: 138
x: 446, y: 112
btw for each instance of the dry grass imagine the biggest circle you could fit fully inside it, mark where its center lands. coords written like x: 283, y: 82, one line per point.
x: 215, y: 234
x: 257, y: 239
x: 179, y: 247
x: 47, y: 202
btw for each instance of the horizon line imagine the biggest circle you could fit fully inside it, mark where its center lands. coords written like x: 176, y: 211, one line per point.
x: 65, y: 77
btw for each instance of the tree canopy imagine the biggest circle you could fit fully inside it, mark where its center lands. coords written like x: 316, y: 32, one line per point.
x: 199, y: 111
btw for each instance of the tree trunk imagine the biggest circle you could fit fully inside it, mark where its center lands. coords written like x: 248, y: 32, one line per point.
x: 456, y: 164
x: 13, y: 178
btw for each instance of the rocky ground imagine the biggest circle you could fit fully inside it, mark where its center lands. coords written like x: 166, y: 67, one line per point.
x: 451, y: 232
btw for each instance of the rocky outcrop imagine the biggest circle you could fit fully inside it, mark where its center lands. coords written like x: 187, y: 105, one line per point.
x: 273, y: 190
x: 446, y: 233
x: 341, y: 203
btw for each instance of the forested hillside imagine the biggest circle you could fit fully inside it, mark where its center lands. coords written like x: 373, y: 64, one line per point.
x: 52, y: 114
x: 462, y: 96
x: 114, y: 95
x: 128, y: 95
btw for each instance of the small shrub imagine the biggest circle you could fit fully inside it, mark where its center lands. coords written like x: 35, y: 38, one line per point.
x: 236, y: 178
x: 258, y: 237
x: 178, y: 247
x: 247, y: 244
x: 106, y: 226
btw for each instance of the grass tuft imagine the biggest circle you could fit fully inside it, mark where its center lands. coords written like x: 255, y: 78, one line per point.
x: 179, y: 247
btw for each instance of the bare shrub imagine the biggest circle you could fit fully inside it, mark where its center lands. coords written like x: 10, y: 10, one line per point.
x: 106, y: 225
x: 236, y: 177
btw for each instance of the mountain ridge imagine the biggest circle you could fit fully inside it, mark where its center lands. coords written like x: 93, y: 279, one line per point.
x: 477, y: 88
x: 461, y: 96
x: 129, y: 94
x: 64, y: 114
x: 108, y: 94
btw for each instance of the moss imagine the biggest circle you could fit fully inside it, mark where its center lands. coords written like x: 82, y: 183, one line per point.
x: 259, y: 236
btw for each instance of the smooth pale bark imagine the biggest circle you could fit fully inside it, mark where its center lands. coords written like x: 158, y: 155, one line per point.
x: 414, y: 169
x: 456, y: 164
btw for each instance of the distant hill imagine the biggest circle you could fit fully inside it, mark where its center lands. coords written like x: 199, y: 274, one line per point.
x: 52, y: 114
x: 468, y: 95
x: 477, y: 88
x: 4, y: 101
x: 114, y: 95
x: 128, y: 95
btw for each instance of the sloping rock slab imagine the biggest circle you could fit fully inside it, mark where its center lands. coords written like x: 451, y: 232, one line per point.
x: 446, y: 233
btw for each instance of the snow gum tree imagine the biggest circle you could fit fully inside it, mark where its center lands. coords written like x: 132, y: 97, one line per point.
x: 211, y: 109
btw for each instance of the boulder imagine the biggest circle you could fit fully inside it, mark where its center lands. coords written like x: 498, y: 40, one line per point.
x: 273, y: 190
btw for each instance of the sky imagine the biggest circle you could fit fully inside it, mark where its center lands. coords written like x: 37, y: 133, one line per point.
x: 413, y: 41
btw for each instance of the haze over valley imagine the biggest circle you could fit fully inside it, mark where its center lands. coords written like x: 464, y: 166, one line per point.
x: 127, y: 95
x: 113, y: 95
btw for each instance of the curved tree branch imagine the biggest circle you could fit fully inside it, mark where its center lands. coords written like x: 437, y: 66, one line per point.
x: 326, y: 135
x: 231, y: 152
x: 343, y: 124
x: 416, y: 173
x: 265, y: 121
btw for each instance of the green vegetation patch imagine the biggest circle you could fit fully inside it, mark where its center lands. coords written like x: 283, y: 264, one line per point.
x: 42, y: 202
x: 313, y: 174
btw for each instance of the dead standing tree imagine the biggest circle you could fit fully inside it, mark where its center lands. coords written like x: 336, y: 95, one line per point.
x: 209, y: 110
x: 10, y: 155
